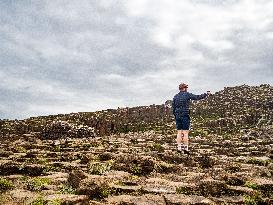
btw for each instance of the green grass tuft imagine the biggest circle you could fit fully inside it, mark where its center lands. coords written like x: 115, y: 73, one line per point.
x: 66, y: 189
x: 254, y: 199
x: 251, y: 185
x: 99, y: 167
x: 5, y: 185
x: 36, y: 183
x: 157, y: 147
x: 38, y: 201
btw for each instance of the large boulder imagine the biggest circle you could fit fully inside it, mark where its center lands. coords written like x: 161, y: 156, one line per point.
x: 67, y: 199
x: 147, y: 199
x: 63, y: 129
x: 177, y: 199
x: 211, y: 187
x: 8, y: 167
x: 22, y: 196
x: 94, y: 187
x: 134, y: 164
x: 75, y: 177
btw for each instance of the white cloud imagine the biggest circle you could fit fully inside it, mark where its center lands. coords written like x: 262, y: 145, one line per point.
x: 59, y: 56
x: 269, y: 35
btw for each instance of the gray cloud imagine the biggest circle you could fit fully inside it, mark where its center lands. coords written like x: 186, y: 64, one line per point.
x: 61, y: 57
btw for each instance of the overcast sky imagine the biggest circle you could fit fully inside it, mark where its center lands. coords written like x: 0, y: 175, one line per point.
x: 70, y: 56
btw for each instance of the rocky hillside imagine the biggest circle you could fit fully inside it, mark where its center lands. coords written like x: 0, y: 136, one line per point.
x: 235, y: 108
x: 128, y: 155
x: 229, y: 110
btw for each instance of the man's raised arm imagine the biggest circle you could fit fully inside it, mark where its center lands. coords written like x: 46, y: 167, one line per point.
x: 198, y: 97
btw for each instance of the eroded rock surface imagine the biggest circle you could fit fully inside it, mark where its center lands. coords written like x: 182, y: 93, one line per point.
x: 128, y: 156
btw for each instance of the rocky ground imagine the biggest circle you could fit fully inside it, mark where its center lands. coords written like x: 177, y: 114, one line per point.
x: 57, y: 162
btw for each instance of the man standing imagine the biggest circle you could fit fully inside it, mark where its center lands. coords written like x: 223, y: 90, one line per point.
x: 181, y: 112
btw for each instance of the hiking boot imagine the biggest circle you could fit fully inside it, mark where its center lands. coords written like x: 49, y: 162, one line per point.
x: 179, y: 151
x: 186, y: 152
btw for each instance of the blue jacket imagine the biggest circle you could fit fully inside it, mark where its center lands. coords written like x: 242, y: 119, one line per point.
x: 181, y: 103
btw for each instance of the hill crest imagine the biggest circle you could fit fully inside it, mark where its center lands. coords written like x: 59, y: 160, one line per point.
x: 228, y: 110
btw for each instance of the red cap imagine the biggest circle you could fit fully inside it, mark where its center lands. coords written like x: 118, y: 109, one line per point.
x: 183, y: 85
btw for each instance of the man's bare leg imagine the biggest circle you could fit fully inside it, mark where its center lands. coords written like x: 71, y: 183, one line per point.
x: 179, y: 139
x: 186, y: 139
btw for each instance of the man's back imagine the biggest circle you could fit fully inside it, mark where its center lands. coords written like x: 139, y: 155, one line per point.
x: 181, y: 103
